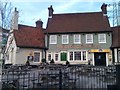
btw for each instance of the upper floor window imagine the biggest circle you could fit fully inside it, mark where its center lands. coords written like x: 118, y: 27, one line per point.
x: 77, y: 39
x: 102, y: 38
x: 89, y: 38
x: 53, y: 39
x: 65, y: 39
x: 36, y: 56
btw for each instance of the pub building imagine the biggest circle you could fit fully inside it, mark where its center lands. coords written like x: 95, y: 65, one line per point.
x: 79, y: 38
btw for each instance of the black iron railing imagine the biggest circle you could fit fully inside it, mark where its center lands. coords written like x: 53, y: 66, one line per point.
x: 59, y: 77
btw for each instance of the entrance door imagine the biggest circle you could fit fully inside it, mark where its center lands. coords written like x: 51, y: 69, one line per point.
x: 100, y: 59
x: 63, y: 56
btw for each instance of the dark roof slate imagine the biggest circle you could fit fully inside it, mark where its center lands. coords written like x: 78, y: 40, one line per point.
x: 78, y: 22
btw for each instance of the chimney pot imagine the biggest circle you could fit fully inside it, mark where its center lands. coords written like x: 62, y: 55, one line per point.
x: 50, y: 11
x: 15, y: 16
x: 39, y: 23
x: 104, y: 8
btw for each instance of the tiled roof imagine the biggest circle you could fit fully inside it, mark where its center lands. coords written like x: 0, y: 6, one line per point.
x: 116, y: 36
x: 27, y: 36
x: 78, y: 22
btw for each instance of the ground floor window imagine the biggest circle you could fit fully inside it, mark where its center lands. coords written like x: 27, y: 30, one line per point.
x: 53, y: 55
x: 77, y: 55
x: 71, y: 55
x: 36, y: 56
x: 84, y: 55
x: 56, y: 56
x: 49, y: 56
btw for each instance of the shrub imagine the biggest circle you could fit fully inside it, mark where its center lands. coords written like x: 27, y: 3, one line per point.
x: 27, y: 63
x: 43, y: 60
x: 67, y: 63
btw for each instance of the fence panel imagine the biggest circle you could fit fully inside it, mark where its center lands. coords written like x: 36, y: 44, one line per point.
x: 59, y: 77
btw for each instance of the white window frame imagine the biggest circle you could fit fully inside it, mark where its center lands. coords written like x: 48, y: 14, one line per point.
x: 78, y: 36
x: 47, y: 56
x: 53, y: 37
x: 72, y: 56
x: 65, y: 37
x: 81, y: 55
x: 91, y: 36
x: 58, y: 56
x: 39, y: 56
x: 101, y: 36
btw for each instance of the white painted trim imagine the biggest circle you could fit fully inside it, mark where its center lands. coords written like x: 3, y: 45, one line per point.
x: 93, y: 59
x: 79, y: 36
x: 39, y: 57
x: 67, y: 37
x: 81, y: 55
x: 48, y: 54
x: 104, y: 35
x: 58, y: 56
x: 106, y: 59
x: 53, y: 37
x: 115, y: 55
x: 89, y: 37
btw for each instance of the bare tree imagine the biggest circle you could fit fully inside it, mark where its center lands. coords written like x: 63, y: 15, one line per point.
x: 5, y: 23
x: 5, y: 14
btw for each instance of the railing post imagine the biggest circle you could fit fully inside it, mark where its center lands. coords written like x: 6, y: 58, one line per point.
x: 60, y: 79
x: 118, y: 76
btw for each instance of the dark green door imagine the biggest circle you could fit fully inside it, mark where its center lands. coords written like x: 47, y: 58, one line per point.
x: 63, y: 56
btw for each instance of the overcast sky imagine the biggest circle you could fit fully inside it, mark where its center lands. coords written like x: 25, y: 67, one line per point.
x: 32, y: 10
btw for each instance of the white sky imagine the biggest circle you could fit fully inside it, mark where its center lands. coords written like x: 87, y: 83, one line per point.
x: 32, y: 10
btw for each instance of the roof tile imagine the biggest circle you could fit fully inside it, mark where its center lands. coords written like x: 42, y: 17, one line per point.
x: 28, y: 36
x: 78, y: 22
x: 116, y: 36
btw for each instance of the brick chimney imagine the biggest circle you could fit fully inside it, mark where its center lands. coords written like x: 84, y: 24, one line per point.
x: 15, y: 20
x: 50, y: 9
x: 104, y: 9
x: 39, y: 23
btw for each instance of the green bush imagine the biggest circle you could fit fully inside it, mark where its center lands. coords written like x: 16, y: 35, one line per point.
x: 43, y: 60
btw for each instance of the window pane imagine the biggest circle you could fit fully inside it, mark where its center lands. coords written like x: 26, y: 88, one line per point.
x: 53, y: 39
x: 65, y: 39
x: 89, y: 38
x: 102, y: 38
x: 71, y: 55
x: 56, y: 57
x: 76, y: 38
x: 84, y: 55
x: 77, y: 55
x: 36, y: 57
x: 49, y: 57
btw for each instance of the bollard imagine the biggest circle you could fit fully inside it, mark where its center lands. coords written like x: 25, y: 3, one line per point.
x: 118, y: 76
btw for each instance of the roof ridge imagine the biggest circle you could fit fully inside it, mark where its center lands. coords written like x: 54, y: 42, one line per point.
x: 78, y: 13
x: 26, y: 25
